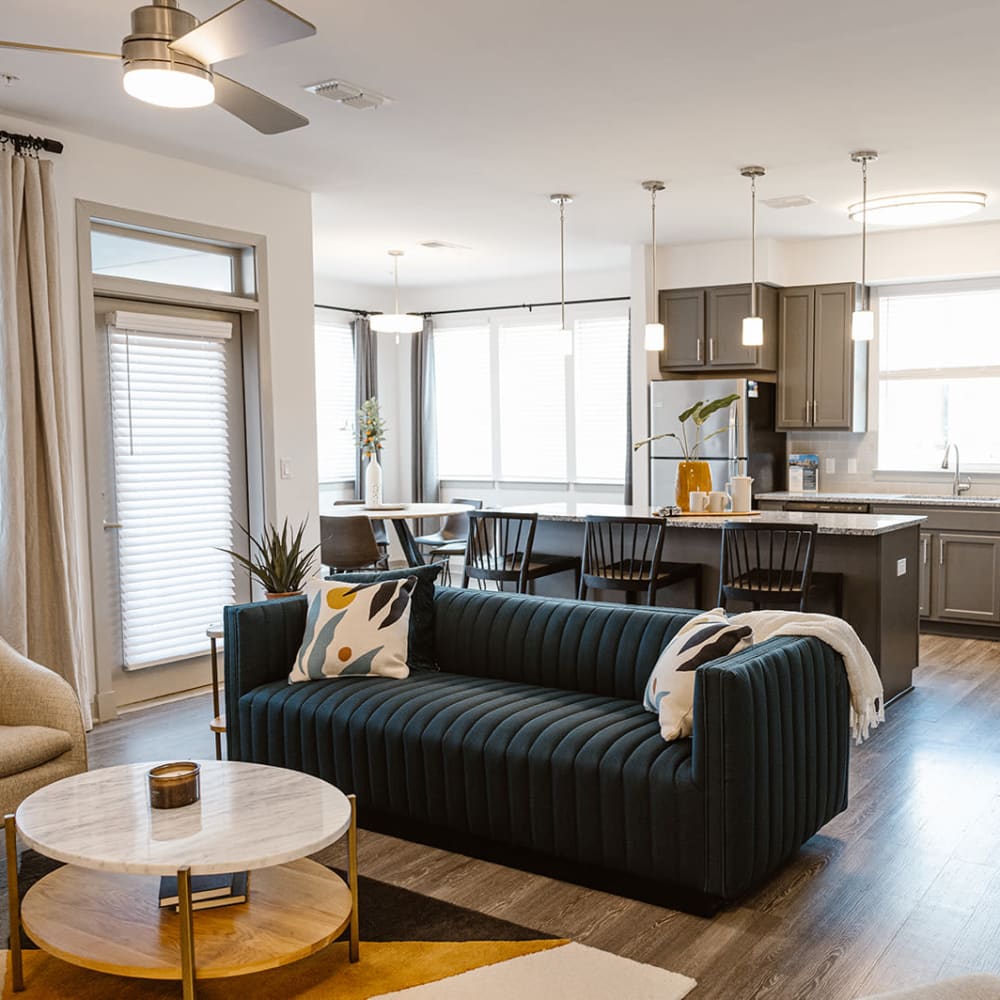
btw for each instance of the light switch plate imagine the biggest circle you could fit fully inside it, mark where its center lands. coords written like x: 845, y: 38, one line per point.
x: 829, y: 465
x: 286, y: 468
x: 852, y: 466
x: 901, y: 567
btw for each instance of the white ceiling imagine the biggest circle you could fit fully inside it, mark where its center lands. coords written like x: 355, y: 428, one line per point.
x: 496, y: 105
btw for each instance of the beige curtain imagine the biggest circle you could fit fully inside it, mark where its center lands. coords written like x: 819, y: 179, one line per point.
x: 39, y: 612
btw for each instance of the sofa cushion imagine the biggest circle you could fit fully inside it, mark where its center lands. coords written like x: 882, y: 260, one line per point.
x: 355, y: 630
x: 566, y: 773
x: 25, y: 747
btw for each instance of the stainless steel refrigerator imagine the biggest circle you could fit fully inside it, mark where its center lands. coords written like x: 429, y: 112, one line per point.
x: 749, y: 446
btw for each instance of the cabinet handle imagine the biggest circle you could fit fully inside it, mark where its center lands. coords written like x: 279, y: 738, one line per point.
x: 923, y: 552
x: 711, y: 349
x: 940, y: 551
x: 698, y: 347
x: 815, y: 412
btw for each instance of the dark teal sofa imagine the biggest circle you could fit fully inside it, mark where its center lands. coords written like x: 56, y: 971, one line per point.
x: 530, y: 745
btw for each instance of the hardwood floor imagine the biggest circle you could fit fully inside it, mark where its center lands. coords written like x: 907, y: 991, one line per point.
x: 903, y: 888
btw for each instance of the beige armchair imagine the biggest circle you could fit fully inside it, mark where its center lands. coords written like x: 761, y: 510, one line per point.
x: 41, y: 730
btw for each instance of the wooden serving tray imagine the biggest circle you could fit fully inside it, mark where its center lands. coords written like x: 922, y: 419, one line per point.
x: 717, y: 513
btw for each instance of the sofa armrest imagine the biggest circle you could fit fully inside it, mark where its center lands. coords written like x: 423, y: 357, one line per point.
x: 261, y: 640
x: 770, y: 750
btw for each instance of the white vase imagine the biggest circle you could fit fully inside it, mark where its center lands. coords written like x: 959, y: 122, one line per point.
x: 373, y: 482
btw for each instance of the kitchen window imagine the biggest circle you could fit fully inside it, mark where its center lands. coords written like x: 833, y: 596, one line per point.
x: 939, y: 375
x: 535, y: 415
x: 335, y: 399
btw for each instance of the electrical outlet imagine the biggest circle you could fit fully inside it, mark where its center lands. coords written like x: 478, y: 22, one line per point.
x: 286, y: 468
x: 829, y: 465
x: 901, y: 567
x: 852, y: 466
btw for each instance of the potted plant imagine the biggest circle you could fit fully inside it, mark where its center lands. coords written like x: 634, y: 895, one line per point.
x: 277, y: 560
x: 693, y: 474
x: 371, y: 435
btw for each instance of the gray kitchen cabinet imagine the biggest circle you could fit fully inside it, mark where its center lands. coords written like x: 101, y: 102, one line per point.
x: 926, y: 547
x: 704, y: 329
x: 822, y: 372
x: 966, y: 578
x: 682, y: 312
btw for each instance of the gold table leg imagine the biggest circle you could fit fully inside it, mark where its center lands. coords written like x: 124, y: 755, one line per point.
x: 187, y: 932
x: 352, y: 875
x: 14, y: 905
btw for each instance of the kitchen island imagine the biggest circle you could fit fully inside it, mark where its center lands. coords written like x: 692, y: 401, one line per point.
x: 877, y: 554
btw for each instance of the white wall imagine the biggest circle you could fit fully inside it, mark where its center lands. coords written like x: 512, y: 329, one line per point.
x: 93, y: 170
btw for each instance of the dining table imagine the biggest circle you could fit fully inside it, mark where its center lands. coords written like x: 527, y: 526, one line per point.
x: 400, y: 514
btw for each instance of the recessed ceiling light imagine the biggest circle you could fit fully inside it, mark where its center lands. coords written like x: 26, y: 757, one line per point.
x: 919, y: 209
x: 442, y: 245
x: 789, y: 201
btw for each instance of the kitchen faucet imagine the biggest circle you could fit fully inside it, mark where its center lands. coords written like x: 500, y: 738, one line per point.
x: 958, y: 487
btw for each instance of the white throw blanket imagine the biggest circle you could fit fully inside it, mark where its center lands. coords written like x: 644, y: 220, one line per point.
x: 867, y: 699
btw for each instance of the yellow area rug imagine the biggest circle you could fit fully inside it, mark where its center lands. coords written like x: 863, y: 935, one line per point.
x: 385, y: 967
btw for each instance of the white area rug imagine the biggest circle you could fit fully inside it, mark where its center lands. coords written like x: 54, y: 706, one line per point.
x: 570, y: 972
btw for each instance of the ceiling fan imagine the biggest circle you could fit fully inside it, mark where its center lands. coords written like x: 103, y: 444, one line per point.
x: 169, y: 58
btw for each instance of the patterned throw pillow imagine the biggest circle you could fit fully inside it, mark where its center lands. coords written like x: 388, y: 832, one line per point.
x: 351, y: 631
x: 670, y: 688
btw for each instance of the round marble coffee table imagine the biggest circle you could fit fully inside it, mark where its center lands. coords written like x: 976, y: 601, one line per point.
x: 102, y: 910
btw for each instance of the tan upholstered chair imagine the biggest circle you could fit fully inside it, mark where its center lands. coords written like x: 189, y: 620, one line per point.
x: 41, y: 729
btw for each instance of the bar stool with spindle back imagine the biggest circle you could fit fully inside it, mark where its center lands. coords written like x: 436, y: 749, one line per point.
x: 626, y: 554
x: 451, y: 539
x: 500, y: 548
x: 770, y: 566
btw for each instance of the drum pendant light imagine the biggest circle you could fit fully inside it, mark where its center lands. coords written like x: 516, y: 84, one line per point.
x: 565, y: 333
x: 396, y: 322
x: 863, y: 320
x: 655, y: 336
x: 753, y: 325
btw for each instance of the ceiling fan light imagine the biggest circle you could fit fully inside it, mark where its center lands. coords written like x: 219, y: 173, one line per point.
x: 396, y: 323
x: 655, y: 337
x: 169, y: 86
x: 863, y: 325
x: 753, y: 331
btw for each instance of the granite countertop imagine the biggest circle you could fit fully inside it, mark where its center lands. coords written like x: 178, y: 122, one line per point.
x: 828, y: 524
x: 907, y: 499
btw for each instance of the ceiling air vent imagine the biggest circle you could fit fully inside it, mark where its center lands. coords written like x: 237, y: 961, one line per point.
x: 789, y: 201
x: 349, y: 94
x: 442, y: 245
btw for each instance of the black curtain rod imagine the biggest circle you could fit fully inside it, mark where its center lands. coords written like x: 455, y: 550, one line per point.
x: 527, y: 305
x: 343, y: 309
x: 33, y: 143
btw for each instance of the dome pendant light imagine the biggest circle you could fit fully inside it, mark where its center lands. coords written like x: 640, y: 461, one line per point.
x: 655, y: 337
x: 753, y: 325
x: 863, y: 320
x: 565, y: 333
x: 396, y: 322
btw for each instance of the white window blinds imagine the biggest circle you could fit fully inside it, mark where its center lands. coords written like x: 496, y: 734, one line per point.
x: 600, y: 398
x: 532, y: 403
x: 462, y: 400
x: 173, y: 475
x: 335, y: 399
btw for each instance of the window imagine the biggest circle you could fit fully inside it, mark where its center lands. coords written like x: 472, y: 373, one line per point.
x: 939, y: 376
x: 532, y: 403
x: 335, y: 399
x: 174, y: 468
x: 533, y: 414
x: 462, y: 401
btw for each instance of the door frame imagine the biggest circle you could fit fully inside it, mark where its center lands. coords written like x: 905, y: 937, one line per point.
x: 251, y: 303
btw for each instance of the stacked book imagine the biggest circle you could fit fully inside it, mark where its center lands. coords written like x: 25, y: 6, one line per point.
x: 207, y: 891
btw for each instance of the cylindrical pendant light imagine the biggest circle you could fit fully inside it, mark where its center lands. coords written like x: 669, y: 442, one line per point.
x: 396, y: 322
x: 566, y: 334
x: 863, y: 320
x: 655, y: 337
x: 753, y: 325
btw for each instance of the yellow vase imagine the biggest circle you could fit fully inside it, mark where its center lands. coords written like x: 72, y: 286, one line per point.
x: 692, y: 477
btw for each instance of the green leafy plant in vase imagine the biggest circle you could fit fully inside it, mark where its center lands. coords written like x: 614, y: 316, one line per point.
x: 277, y: 560
x: 693, y: 474
x: 371, y: 436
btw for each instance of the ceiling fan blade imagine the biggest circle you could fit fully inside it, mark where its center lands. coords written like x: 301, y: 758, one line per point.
x: 66, y: 52
x: 246, y: 26
x: 255, y: 109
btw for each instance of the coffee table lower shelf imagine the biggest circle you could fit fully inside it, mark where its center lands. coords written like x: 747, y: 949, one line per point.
x: 111, y: 922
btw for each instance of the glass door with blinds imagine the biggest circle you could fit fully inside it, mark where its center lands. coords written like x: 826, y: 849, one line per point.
x: 175, y: 491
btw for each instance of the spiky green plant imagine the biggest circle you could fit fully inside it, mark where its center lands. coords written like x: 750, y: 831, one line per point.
x: 698, y: 414
x: 276, y: 558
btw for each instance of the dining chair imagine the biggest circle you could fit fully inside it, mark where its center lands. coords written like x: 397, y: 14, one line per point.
x: 377, y: 523
x: 500, y: 548
x: 626, y: 554
x: 771, y: 567
x: 349, y: 543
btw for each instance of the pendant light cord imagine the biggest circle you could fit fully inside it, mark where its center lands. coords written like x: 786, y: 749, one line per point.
x: 753, y: 245
x: 395, y: 280
x: 653, y: 194
x: 864, y: 233
x: 562, y: 261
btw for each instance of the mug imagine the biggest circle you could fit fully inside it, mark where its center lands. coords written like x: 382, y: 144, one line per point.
x: 697, y: 501
x: 740, y: 492
x: 717, y: 502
